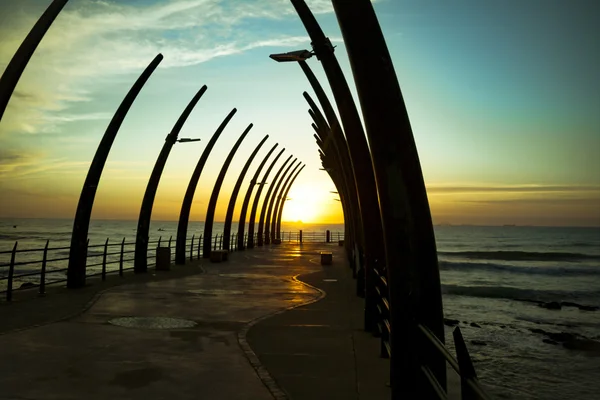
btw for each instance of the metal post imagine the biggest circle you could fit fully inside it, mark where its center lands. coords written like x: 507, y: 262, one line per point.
x: 234, y: 194
x: 212, y: 204
x: 252, y: 237
x: 140, y: 263
x: 170, y: 240
x: 199, y: 247
x: 241, y: 236
x: 17, y: 64
x: 104, y: 260
x: 77, y: 254
x: 414, y: 280
x: 192, y: 249
x: 43, y: 273
x: 266, y: 201
x: 300, y: 236
x: 184, y: 215
x: 11, y: 273
x: 121, y: 257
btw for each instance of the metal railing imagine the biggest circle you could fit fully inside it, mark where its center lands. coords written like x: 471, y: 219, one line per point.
x: 462, y: 364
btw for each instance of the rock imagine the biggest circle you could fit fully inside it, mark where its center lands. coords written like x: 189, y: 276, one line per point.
x: 561, y: 337
x: 27, y: 285
x: 475, y: 325
x: 580, y: 306
x: 478, y: 342
x: 450, y: 322
x: 552, y: 305
x: 549, y: 341
x: 582, y: 344
x: 502, y: 326
x: 536, y: 330
x: 588, y: 308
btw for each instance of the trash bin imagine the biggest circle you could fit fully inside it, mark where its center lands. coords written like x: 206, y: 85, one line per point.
x: 326, y: 258
x: 163, y: 258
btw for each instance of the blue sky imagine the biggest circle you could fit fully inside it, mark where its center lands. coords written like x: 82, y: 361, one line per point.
x: 504, y: 99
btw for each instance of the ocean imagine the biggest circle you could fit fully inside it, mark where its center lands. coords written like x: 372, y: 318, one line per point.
x: 495, y: 283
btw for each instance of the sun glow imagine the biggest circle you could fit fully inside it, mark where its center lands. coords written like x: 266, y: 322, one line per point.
x: 308, y: 204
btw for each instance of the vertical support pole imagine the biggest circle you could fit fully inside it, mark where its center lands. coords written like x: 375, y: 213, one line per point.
x: 43, y: 274
x: 186, y: 206
x: 170, y: 239
x: 77, y: 255
x: 234, y: 194
x: 212, y: 203
x: 140, y: 263
x: 11, y: 273
x: 192, y: 249
x: 104, y: 260
x: 21, y: 58
x: 327, y: 236
x: 467, y: 371
x: 252, y: 237
x: 300, y: 236
x: 121, y: 257
x: 199, y: 247
x: 159, y: 239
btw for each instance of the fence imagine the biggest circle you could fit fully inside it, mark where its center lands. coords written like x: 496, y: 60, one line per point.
x: 39, y: 267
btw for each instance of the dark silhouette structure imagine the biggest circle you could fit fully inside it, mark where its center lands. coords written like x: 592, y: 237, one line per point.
x: 212, y: 204
x: 283, y: 200
x: 21, y: 58
x: 234, y: 194
x: 79, y: 237
x: 244, y: 210
x: 262, y: 184
x: 142, y: 236
x: 184, y: 215
x: 278, y: 199
x: 267, y: 201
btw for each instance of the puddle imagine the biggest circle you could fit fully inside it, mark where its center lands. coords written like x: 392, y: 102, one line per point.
x: 152, y: 322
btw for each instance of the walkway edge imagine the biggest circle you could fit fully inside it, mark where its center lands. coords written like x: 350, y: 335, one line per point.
x: 276, y: 391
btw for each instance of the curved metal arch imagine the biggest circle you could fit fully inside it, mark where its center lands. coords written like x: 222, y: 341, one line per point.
x: 252, y: 218
x: 263, y: 211
x: 234, y: 194
x: 278, y: 202
x: 284, y: 198
x: 16, y: 66
x: 244, y: 210
x: 186, y: 205
x: 79, y: 236
x: 140, y: 263
x: 272, y: 202
x: 212, y: 204
x: 406, y: 217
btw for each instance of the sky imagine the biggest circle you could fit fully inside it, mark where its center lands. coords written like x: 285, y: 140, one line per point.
x: 503, y: 98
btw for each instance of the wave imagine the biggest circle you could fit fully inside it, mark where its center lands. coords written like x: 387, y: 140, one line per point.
x: 490, y: 267
x: 520, y: 255
x: 512, y: 293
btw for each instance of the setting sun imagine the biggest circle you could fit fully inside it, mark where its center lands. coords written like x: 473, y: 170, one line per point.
x: 309, y: 203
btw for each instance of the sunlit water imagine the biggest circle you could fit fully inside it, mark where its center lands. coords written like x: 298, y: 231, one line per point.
x: 492, y: 276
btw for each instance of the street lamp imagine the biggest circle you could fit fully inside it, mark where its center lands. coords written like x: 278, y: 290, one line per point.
x: 187, y: 140
x: 298, y: 55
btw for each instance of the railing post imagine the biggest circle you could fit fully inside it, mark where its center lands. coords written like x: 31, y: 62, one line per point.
x: 43, y: 273
x: 192, y: 249
x: 327, y: 236
x: 159, y: 239
x: 300, y: 236
x: 104, y: 260
x: 467, y: 371
x: 11, y: 272
x: 199, y: 241
x: 170, y: 239
x: 121, y: 257
x: 221, y: 242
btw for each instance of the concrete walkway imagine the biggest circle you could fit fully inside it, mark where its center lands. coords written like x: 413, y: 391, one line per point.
x: 222, y: 334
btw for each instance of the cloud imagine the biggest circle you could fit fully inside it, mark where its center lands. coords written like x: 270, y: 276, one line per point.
x: 92, y: 40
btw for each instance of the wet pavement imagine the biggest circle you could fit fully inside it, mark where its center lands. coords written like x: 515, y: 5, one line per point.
x: 185, y: 337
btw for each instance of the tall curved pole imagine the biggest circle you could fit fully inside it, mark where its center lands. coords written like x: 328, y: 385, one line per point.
x: 79, y: 236
x: 277, y: 199
x: 267, y: 221
x: 140, y: 263
x: 283, y: 199
x: 244, y: 210
x: 212, y: 204
x: 262, y: 184
x: 17, y: 64
x: 263, y: 211
x: 184, y: 215
x: 415, y: 282
x: 374, y: 256
x: 234, y: 194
